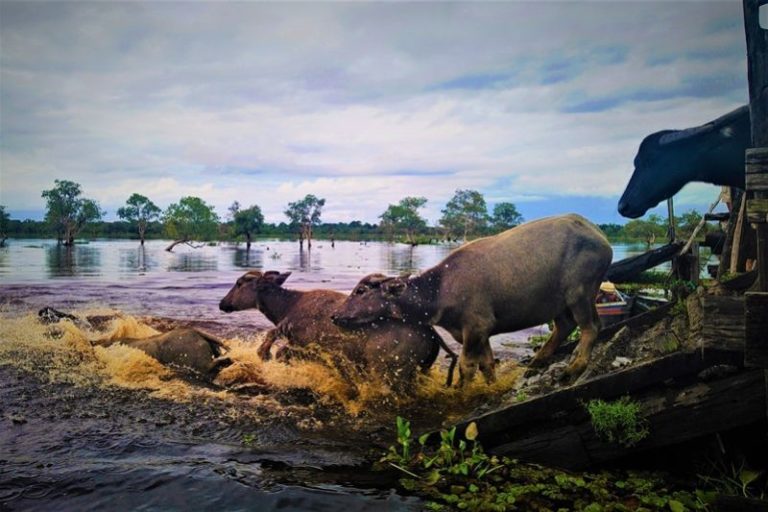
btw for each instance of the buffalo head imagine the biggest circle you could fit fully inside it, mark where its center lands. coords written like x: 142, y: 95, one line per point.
x: 659, y: 174
x: 375, y: 298
x: 245, y: 294
x: 668, y: 160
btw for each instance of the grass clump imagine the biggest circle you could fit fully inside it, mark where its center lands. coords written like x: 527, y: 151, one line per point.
x: 455, y: 473
x: 618, y: 422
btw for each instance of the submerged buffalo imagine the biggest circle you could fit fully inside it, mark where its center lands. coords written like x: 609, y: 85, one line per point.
x: 392, y: 350
x: 669, y: 159
x: 183, y: 347
x: 543, y: 270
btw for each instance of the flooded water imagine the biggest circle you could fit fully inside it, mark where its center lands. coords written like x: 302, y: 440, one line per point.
x: 95, y: 429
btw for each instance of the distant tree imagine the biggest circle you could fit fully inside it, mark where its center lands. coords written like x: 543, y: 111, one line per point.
x: 687, y: 222
x: 190, y: 220
x: 404, y: 216
x: 139, y: 211
x: 505, y: 216
x: 465, y: 213
x: 611, y: 230
x: 5, y: 220
x: 67, y: 212
x: 646, y: 229
x: 304, y: 215
x: 246, y: 222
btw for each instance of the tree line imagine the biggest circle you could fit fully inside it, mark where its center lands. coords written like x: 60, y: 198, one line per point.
x: 191, y: 220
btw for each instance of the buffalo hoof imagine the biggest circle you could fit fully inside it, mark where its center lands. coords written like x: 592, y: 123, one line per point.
x: 574, y: 370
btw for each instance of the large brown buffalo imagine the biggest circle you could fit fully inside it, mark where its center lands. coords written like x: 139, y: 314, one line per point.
x: 543, y: 270
x: 392, y: 350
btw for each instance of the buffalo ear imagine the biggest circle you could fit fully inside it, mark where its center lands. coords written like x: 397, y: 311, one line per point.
x: 280, y: 279
x: 394, y: 287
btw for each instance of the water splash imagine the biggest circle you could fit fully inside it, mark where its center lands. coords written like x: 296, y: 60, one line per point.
x: 64, y: 352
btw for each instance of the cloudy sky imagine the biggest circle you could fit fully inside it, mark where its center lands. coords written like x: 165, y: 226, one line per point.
x: 540, y: 103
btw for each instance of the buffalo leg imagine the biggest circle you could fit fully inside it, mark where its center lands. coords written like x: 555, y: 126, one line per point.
x: 475, y: 353
x: 587, y: 319
x: 266, y: 345
x: 564, y: 325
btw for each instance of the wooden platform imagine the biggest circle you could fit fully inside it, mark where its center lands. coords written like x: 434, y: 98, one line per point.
x: 683, y: 396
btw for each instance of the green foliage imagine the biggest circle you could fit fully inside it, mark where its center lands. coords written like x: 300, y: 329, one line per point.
x: 650, y: 229
x: 67, y: 212
x: 537, y: 340
x: 737, y: 479
x: 618, y: 422
x: 5, y: 219
x: 191, y: 219
x: 466, y: 213
x: 305, y: 214
x: 505, y: 216
x: 458, y: 474
x: 248, y: 440
x: 404, y: 216
x: 246, y: 222
x: 141, y: 211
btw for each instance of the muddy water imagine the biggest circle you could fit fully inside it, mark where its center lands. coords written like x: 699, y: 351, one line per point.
x: 95, y: 429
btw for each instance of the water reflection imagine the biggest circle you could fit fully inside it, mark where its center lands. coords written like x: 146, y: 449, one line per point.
x: 71, y: 261
x: 404, y: 259
x: 244, y: 258
x: 39, y: 260
x: 193, y: 262
x: 137, y: 260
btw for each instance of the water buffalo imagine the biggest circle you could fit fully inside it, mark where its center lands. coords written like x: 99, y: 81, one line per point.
x: 392, y: 350
x: 669, y: 159
x: 543, y: 270
x: 182, y: 347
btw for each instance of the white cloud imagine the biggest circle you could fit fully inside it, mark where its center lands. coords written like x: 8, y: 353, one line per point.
x: 264, y: 102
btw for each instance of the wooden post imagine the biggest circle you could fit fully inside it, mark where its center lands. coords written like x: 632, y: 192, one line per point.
x: 757, y: 157
x: 756, y: 160
x: 671, y: 235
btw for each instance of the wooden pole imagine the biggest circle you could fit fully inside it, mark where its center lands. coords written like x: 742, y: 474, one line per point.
x: 756, y: 160
x: 757, y: 157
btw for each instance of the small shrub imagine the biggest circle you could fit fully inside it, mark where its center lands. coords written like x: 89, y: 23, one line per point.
x: 618, y: 422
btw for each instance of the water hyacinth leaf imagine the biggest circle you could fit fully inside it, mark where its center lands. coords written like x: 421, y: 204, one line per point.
x: 471, y: 432
x: 676, y: 506
x: 748, y: 476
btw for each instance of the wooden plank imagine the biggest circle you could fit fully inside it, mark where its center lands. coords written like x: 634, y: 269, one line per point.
x: 757, y: 182
x: 505, y: 424
x: 674, y: 415
x: 757, y: 206
x: 756, y: 329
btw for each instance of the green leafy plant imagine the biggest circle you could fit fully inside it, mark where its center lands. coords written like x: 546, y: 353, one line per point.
x: 457, y: 474
x: 618, y: 422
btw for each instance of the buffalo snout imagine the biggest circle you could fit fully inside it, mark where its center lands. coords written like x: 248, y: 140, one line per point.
x: 226, y: 307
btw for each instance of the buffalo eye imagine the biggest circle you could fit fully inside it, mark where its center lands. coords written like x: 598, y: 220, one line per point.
x: 360, y: 290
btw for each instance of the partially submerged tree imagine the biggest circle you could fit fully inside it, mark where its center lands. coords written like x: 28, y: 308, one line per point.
x: 190, y: 220
x: 404, y: 216
x: 505, y: 216
x: 465, y: 213
x: 4, y: 221
x: 67, y: 212
x: 646, y: 229
x: 304, y: 215
x: 246, y: 222
x: 140, y: 211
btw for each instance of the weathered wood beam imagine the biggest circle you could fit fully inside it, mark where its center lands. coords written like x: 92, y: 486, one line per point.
x: 508, y: 424
x: 675, y: 414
